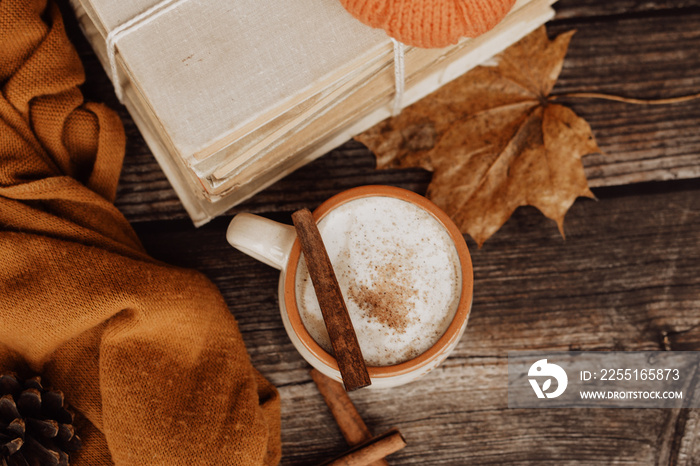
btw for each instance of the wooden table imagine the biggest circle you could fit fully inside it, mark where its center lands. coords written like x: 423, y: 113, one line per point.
x: 627, y: 277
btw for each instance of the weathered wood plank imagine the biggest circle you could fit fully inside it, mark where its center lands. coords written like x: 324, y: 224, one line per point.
x: 687, y: 446
x: 622, y: 48
x: 625, y: 277
x: 648, y: 58
x: 579, y: 9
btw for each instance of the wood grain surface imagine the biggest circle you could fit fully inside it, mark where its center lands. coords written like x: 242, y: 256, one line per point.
x: 627, y: 276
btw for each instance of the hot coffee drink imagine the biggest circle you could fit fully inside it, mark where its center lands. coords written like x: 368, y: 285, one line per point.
x: 405, y: 273
x: 399, y: 272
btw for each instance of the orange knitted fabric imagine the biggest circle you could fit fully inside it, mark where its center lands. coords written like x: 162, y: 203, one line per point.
x: 147, y: 354
x: 430, y: 23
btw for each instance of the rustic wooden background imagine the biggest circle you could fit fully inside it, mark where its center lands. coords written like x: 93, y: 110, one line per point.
x: 627, y: 277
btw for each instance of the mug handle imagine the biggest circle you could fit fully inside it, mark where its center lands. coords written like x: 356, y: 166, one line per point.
x: 268, y: 241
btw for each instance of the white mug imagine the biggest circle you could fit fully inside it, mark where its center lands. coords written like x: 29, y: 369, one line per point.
x: 275, y: 244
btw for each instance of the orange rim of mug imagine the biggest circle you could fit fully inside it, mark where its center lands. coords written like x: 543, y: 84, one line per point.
x: 461, y: 314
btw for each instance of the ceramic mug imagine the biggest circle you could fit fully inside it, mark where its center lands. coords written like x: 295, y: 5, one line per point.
x: 275, y: 244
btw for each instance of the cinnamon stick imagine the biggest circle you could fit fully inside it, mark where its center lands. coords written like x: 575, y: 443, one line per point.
x: 346, y: 349
x: 375, y: 448
x: 344, y: 412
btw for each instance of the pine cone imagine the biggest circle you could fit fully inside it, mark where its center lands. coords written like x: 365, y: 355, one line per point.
x: 35, y: 427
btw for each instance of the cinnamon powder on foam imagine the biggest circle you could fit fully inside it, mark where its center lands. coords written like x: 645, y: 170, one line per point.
x: 388, y: 300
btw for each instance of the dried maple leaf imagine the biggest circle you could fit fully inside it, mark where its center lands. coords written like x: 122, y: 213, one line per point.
x: 494, y: 140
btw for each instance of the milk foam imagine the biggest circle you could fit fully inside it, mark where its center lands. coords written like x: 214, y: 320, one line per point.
x: 398, y: 270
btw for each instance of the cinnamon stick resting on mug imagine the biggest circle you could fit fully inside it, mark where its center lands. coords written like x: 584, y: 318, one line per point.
x: 346, y: 349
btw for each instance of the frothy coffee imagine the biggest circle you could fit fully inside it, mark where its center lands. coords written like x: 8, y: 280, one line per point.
x: 399, y: 273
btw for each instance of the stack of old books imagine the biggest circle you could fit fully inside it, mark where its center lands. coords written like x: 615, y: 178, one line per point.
x: 231, y: 96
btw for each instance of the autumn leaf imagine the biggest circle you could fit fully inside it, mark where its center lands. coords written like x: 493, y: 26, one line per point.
x: 494, y: 140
